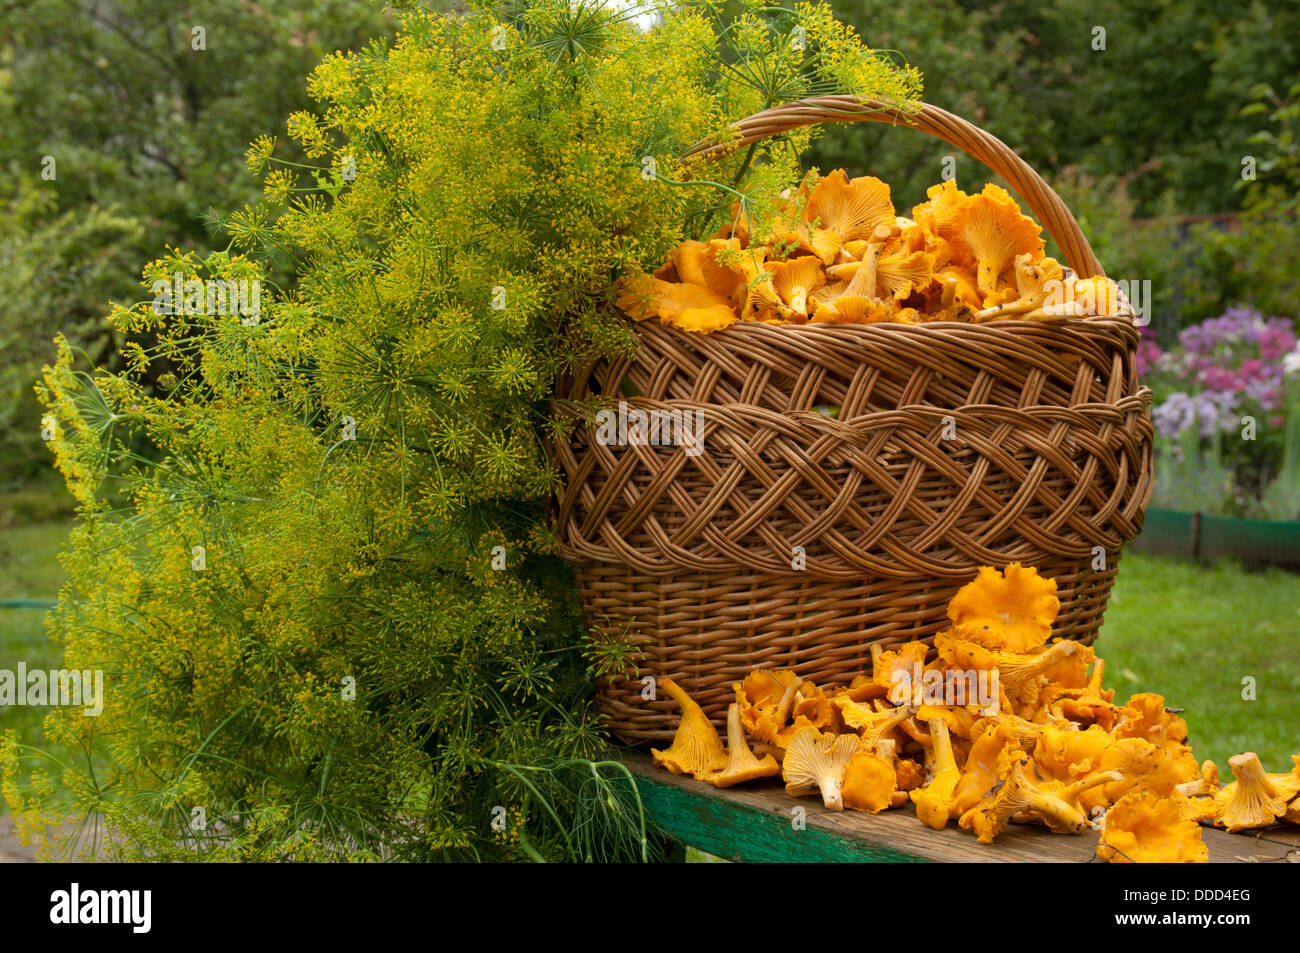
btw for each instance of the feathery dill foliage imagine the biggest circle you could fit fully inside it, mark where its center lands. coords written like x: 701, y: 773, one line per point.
x: 355, y: 461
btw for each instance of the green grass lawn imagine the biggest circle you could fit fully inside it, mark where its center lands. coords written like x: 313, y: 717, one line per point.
x: 29, y: 569
x: 1192, y: 633
x: 1189, y: 632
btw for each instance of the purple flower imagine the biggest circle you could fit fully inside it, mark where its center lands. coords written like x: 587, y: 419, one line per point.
x: 1174, y: 414
x: 1206, y: 412
x: 1214, y: 412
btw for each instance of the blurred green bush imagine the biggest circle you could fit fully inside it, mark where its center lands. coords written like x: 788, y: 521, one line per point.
x: 122, y: 123
x: 1140, y: 115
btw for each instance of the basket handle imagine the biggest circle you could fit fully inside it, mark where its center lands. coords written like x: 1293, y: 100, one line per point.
x: 966, y: 136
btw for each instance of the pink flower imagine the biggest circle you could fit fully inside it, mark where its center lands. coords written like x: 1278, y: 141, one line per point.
x: 1148, y: 352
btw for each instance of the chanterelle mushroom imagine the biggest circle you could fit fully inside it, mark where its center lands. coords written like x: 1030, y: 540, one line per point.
x: 816, y: 762
x: 696, y: 749
x: 741, y: 764
x: 693, y: 307
x: 1068, y: 755
x: 992, y: 740
x: 871, y: 725
x: 1017, y: 670
x: 870, y: 781
x: 766, y: 699
x: 1019, y: 795
x: 1255, y: 799
x: 1156, y: 723
x: 853, y: 209
x: 992, y: 230
x: 1011, y: 611
x: 794, y: 280
x: 1036, y: 283
x: 1293, y: 812
x: 855, y: 309
x: 1205, y: 785
x: 1143, y: 828
x: 934, y: 802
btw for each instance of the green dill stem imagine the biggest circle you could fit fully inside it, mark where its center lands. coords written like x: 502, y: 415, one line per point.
x: 530, y: 850
x: 744, y: 166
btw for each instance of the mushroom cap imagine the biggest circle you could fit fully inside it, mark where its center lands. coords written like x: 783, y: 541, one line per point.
x: 698, y: 263
x: 766, y: 697
x: 891, y: 665
x: 814, y: 707
x: 910, y: 774
x: 1012, y: 610
x: 1198, y: 809
x: 862, y: 689
x: 940, y: 214
x: 855, y: 309
x: 763, y: 302
x: 992, y: 231
x: 642, y: 296
x: 827, y: 294
x: 1098, y: 296
x: 870, y: 782
x: 703, y: 320
x: 1154, y: 722
x: 979, y: 775
x: 1021, y: 673
x: 795, y: 279
x: 1068, y: 755
x: 870, y: 724
x: 1293, y: 811
x: 851, y: 209
x: 963, y: 286
x: 901, y: 272
x: 1142, y: 765
x: 1033, y: 278
x: 1144, y: 828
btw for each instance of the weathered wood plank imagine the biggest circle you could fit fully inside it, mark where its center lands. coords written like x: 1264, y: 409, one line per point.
x: 735, y: 830
x: 753, y: 823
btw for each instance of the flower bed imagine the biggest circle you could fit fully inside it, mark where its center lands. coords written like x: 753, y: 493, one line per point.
x: 1227, y: 416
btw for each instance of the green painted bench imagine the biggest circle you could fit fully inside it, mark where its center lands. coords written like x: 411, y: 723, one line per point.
x: 756, y: 822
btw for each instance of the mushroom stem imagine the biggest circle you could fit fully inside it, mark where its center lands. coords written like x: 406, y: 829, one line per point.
x: 864, y: 277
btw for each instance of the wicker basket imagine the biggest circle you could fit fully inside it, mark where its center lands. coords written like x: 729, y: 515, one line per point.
x: 795, y: 540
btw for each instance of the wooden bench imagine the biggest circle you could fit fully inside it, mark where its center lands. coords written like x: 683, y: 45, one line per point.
x: 754, y: 822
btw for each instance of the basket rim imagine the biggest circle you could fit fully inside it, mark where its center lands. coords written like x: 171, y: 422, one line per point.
x: 990, y: 328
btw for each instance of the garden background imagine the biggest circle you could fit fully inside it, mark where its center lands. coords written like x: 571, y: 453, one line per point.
x: 1169, y: 129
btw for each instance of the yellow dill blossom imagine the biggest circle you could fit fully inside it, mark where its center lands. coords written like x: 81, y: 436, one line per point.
x: 287, y: 559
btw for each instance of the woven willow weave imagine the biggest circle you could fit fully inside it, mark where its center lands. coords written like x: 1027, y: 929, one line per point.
x: 800, y: 535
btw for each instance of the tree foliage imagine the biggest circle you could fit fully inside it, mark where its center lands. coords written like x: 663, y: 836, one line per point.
x: 1151, y: 93
x: 117, y: 124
